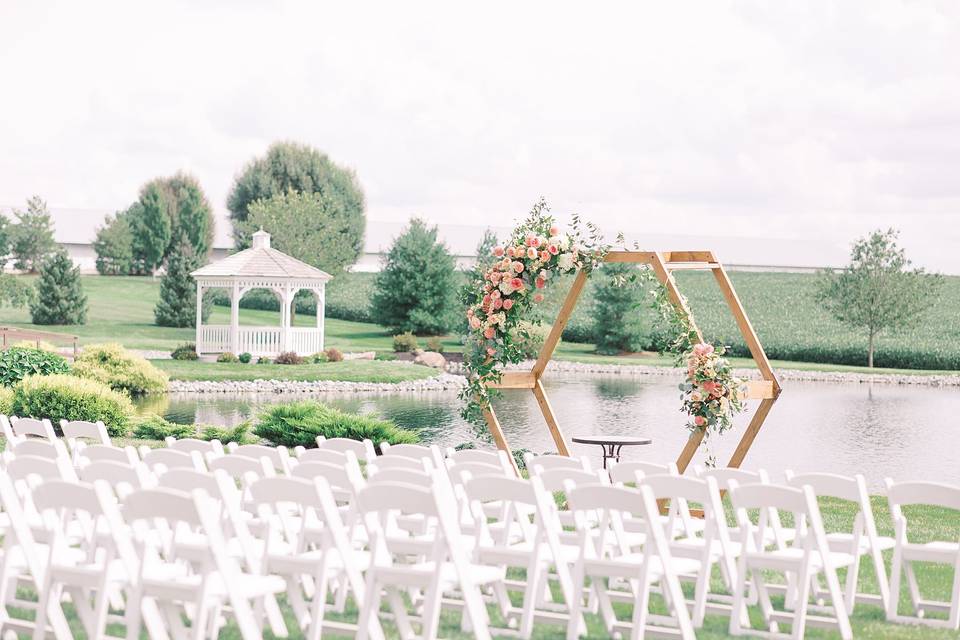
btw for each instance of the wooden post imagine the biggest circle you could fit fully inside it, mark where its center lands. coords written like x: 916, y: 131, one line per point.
x: 547, y: 410
x: 558, y: 325
x: 498, y: 438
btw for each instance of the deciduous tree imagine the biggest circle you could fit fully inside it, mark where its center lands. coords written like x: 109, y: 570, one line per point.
x: 31, y: 237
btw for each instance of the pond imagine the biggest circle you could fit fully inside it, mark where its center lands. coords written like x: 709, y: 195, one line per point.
x: 879, y: 430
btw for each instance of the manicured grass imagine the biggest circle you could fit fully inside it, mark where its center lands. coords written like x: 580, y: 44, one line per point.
x: 350, y: 371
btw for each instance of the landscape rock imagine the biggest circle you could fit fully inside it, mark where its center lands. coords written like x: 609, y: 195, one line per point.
x: 361, y: 355
x: 431, y: 359
x: 442, y: 382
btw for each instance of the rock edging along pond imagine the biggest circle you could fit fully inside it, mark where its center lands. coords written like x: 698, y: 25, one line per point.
x: 453, y: 381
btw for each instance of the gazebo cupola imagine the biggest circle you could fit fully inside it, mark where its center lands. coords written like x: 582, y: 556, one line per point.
x: 261, y: 267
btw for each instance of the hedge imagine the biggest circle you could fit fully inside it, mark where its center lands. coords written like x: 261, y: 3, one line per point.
x: 62, y: 396
x: 120, y: 369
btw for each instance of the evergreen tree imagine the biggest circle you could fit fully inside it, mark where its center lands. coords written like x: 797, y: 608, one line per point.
x: 415, y: 291
x: 177, y: 306
x: 288, y: 166
x: 114, y: 245
x: 619, y: 321
x: 59, y: 298
x: 153, y: 224
x: 31, y: 237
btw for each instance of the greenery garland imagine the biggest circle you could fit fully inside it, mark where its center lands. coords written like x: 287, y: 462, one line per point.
x: 499, y: 297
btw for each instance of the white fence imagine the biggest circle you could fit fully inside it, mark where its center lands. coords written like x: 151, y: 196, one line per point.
x: 260, y: 341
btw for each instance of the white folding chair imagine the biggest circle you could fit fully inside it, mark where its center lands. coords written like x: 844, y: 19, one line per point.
x: 484, y: 456
x: 728, y: 477
x: 384, y: 463
x: 808, y: 555
x: 295, y: 509
x: 40, y: 448
x: 626, y: 472
x: 122, y: 477
x: 705, y: 539
x: 22, y: 563
x: 26, y: 427
x: 523, y: 533
x: 279, y: 457
x: 612, y: 555
x: 430, y: 454
x: 189, y: 445
x: 862, y: 540
x: 905, y: 553
x: 363, y: 449
x: 180, y: 589
x: 558, y: 480
x: 442, y: 565
x: 328, y: 456
x: 86, y: 454
x: 91, y: 568
x: 74, y: 430
x: 162, y: 459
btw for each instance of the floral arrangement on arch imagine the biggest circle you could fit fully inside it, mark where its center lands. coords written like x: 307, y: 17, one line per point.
x: 500, y: 296
x: 711, y: 394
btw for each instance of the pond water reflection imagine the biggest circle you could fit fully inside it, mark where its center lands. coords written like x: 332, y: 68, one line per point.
x: 878, y: 430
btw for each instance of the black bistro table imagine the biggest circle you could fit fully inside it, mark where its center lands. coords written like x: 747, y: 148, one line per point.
x: 612, y: 444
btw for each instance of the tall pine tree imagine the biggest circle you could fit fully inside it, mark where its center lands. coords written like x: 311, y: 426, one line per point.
x: 177, y: 306
x: 60, y: 298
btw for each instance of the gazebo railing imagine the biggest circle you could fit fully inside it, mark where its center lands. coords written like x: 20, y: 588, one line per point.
x: 259, y: 341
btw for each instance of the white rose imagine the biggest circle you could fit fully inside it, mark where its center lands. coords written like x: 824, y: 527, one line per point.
x: 565, y: 261
x: 561, y: 240
x: 505, y: 287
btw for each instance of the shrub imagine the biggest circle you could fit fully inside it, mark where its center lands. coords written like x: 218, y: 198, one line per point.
x: 288, y: 357
x: 385, y: 355
x: 264, y: 360
x: 154, y: 427
x: 299, y: 423
x: 120, y: 369
x: 16, y: 363
x: 405, y: 342
x: 416, y: 290
x: 42, y: 345
x: 65, y: 397
x: 618, y: 323
x: 434, y: 344
x: 245, y: 357
x: 530, y: 337
x: 186, y: 351
x: 334, y: 354
x: 239, y: 434
x: 226, y: 356
x: 319, y: 358
x: 60, y: 298
x: 6, y: 401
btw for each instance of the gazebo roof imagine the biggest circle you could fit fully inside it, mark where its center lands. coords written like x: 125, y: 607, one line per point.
x: 261, y: 261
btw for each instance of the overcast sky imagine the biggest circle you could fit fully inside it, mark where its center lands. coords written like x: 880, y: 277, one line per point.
x: 787, y: 120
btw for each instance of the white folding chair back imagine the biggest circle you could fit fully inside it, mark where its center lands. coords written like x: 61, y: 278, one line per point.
x: 728, y: 477
x: 626, y: 472
x: 485, y: 456
x: 808, y: 555
x: 383, y: 463
x: 41, y: 448
x: 161, y: 459
x: 77, y: 429
x: 24, y: 427
x: 905, y: 553
x: 189, y: 445
x: 363, y: 449
x: 861, y: 540
x: 279, y: 457
x: 459, y: 472
x: 328, y: 456
x: 429, y: 454
x: 7, y: 428
x: 86, y: 454
x: 608, y: 553
x: 123, y: 478
x: 537, y: 464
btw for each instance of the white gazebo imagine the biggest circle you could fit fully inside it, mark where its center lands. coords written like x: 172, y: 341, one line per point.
x: 260, y: 267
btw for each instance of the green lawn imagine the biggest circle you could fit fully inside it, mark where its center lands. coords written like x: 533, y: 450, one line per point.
x: 350, y: 371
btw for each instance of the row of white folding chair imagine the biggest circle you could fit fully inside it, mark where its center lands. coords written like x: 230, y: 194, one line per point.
x: 16, y: 429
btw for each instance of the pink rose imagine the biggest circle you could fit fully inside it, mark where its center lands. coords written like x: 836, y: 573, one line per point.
x: 507, y: 304
x: 494, y: 294
x: 517, y: 284
x: 518, y: 267
x: 538, y: 297
x: 541, y: 283
x: 532, y: 253
x: 553, y: 249
x: 529, y: 240
x: 699, y: 421
x: 534, y: 242
x: 709, y: 386
x: 497, y: 303
x: 498, y: 251
x: 489, y: 332
x: 703, y: 349
x: 474, y: 322
x: 491, y: 351
x: 554, y: 231
x: 545, y: 256
x: 486, y: 299
x: 510, y: 252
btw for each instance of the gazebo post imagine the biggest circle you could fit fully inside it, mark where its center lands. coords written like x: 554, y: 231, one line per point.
x: 235, y: 318
x: 199, y: 347
x: 321, y: 312
x: 285, y: 319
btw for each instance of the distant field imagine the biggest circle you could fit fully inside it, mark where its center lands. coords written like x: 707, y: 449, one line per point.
x: 780, y: 305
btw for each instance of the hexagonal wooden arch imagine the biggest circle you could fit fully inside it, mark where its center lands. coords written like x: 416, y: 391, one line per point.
x: 767, y: 390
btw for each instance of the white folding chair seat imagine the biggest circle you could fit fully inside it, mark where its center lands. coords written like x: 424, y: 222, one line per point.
x: 31, y: 427
x: 905, y: 553
x: 862, y: 540
x: 180, y: 588
x: 279, y: 457
x: 800, y: 561
x: 444, y: 568
x: 363, y: 449
x: 189, y: 445
x: 641, y: 569
x: 296, y: 510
